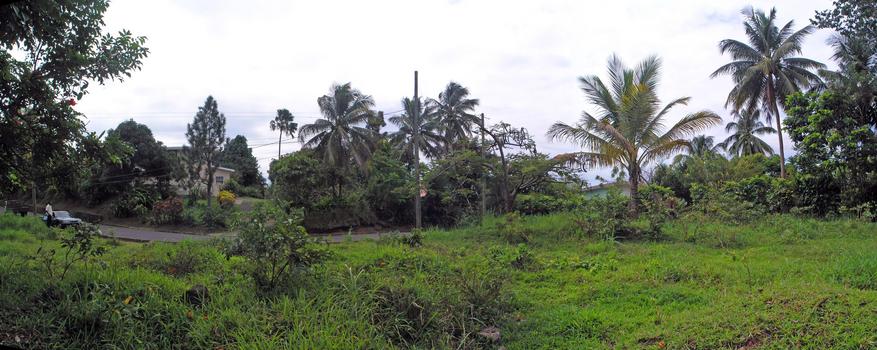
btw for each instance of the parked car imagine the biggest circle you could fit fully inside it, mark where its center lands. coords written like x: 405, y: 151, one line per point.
x: 63, y: 219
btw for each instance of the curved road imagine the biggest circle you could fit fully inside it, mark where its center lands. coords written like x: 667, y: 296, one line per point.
x: 140, y: 234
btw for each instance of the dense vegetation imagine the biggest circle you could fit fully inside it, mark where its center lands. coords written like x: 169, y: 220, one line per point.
x: 774, y: 282
x: 716, y: 245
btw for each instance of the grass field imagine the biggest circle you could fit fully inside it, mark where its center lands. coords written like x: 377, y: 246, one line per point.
x: 781, y: 282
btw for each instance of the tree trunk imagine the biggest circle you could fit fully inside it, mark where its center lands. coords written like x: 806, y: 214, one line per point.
x: 210, y: 171
x: 279, y: 139
x: 33, y: 195
x: 504, y: 184
x: 633, y: 204
x: 776, y: 113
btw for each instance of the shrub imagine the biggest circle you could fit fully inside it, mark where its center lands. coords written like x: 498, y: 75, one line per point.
x: 403, y: 314
x: 275, y: 249
x: 137, y: 202
x: 168, y: 211
x: 226, y: 199
x: 537, y: 204
x: 79, y: 247
x: 200, y: 215
x: 177, y: 259
x: 660, y: 205
x: 603, y: 217
x: 865, y: 212
x: 724, y: 205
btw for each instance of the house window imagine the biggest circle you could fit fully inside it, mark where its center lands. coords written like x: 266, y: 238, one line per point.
x: 220, y: 179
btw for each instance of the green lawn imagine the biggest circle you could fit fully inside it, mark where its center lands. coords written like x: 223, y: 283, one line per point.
x: 778, y: 283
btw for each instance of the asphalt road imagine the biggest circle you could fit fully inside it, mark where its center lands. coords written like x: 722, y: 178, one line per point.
x: 148, y: 235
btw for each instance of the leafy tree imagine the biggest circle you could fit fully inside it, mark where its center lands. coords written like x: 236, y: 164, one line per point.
x: 504, y: 136
x: 837, y: 151
x: 744, y: 131
x: 453, y: 188
x: 49, y: 53
x: 389, y: 186
x: 206, y: 136
x: 454, y: 109
x: 427, y: 126
x: 627, y: 130
x: 765, y: 71
x: 284, y: 123
x: 150, y: 160
x: 850, y: 18
x: 276, y: 243
x: 341, y: 135
x: 528, y: 172
x: 238, y: 156
x: 300, y: 178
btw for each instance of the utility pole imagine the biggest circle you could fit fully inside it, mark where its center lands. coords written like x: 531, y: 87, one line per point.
x: 483, y: 173
x: 416, y: 137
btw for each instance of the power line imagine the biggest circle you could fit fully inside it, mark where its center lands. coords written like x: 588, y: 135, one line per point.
x: 164, y: 115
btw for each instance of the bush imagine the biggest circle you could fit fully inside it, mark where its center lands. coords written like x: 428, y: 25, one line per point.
x: 540, y: 204
x: 276, y: 250
x: 168, y: 211
x: 603, y: 217
x: 226, y: 199
x: 137, y: 202
x: 199, y: 214
x: 724, y: 205
x: 177, y: 259
x: 660, y: 205
x: 80, y: 246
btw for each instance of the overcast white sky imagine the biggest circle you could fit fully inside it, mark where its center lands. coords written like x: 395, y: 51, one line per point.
x: 521, y: 58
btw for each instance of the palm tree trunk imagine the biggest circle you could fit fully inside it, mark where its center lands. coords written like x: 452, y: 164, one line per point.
x: 633, y: 204
x: 776, y: 113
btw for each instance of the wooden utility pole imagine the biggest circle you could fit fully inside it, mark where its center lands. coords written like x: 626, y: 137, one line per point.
x: 416, y: 139
x: 483, y: 172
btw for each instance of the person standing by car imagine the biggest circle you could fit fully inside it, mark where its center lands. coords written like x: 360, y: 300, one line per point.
x: 50, y: 214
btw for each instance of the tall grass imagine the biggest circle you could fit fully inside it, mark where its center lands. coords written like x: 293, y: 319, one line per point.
x: 780, y: 282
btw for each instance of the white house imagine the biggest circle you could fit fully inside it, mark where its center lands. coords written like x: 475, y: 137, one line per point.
x: 220, y: 177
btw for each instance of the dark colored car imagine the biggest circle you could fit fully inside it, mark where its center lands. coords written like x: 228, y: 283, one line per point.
x: 63, y: 219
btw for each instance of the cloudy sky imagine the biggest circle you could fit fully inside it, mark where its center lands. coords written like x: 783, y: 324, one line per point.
x: 520, y: 58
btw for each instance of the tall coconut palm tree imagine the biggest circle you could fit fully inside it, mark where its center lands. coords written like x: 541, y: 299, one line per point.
x: 700, y: 146
x: 429, y: 139
x: 744, y: 131
x: 857, y: 62
x: 283, y: 122
x: 765, y: 71
x: 341, y: 133
x: 628, y: 128
x: 454, y: 109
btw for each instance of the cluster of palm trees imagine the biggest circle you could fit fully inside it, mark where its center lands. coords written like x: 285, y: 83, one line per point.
x: 628, y: 128
x: 765, y: 71
x: 431, y: 127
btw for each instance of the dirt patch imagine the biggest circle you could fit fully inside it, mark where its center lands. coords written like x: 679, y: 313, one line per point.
x: 753, y: 342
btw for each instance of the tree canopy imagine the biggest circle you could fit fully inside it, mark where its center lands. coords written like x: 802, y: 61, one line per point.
x: 50, y: 52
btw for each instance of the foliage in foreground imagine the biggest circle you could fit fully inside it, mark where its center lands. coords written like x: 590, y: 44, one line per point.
x: 777, y: 282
